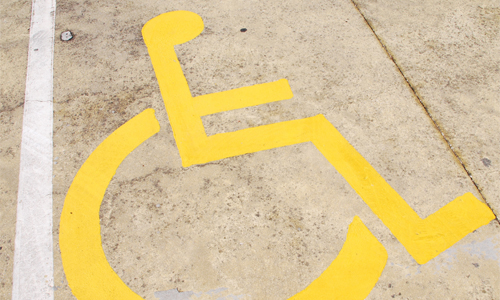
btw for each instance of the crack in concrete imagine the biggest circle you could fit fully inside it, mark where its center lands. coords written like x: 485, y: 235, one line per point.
x: 11, y: 108
x: 415, y: 93
x: 20, y: 104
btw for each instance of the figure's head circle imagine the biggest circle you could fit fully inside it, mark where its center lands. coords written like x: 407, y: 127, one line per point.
x: 174, y: 27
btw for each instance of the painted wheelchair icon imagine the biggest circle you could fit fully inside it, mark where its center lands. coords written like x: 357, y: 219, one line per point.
x: 357, y: 268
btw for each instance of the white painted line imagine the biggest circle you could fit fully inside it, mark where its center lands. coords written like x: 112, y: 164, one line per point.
x: 33, y: 276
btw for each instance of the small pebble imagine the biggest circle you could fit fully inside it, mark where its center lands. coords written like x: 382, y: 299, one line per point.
x: 66, y: 36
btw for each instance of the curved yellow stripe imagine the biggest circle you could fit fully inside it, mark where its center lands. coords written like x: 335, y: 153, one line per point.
x: 355, y: 271
x: 88, y: 272
x: 352, y: 275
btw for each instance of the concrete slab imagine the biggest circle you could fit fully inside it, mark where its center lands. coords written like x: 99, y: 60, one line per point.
x: 261, y: 225
x: 449, y: 51
x: 14, y: 33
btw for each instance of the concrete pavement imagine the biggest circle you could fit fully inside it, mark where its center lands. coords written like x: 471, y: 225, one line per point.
x: 412, y: 86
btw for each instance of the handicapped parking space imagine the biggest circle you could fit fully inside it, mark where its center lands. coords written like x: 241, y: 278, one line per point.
x: 265, y: 224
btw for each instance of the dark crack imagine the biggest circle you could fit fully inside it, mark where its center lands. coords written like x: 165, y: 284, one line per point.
x: 11, y: 108
x: 417, y: 96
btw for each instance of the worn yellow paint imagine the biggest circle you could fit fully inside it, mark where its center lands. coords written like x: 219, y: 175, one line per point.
x: 423, y: 238
x: 355, y: 271
x: 357, y: 268
x: 88, y: 272
x: 91, y: 277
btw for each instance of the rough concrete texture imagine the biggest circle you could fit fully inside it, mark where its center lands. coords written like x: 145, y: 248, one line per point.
x: 14, y: 35
x: 448, y: 50
x: 264, y: 225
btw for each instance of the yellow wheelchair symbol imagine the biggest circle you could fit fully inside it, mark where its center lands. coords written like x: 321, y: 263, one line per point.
x: 362, y: 259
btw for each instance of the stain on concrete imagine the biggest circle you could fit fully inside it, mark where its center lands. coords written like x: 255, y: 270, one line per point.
x: 173, y: 294
x: 486, y: 162
x: 487, y: 249
x: 483, y: 250
x: 217, y: 294
x: 216, y: 291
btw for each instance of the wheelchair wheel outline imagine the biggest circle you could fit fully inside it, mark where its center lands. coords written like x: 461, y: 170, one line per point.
x: 87, y: 270
x: 351, y: 276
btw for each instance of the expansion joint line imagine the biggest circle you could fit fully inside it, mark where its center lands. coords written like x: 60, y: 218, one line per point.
x: 415, y: 93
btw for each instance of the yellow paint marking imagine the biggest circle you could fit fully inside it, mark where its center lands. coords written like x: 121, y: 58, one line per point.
x: 423, y: 238
x: 242, y: 97
x: 357, y: 268
x: 91, y: 277
x: 355, y: 271
x: 88, y: 272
